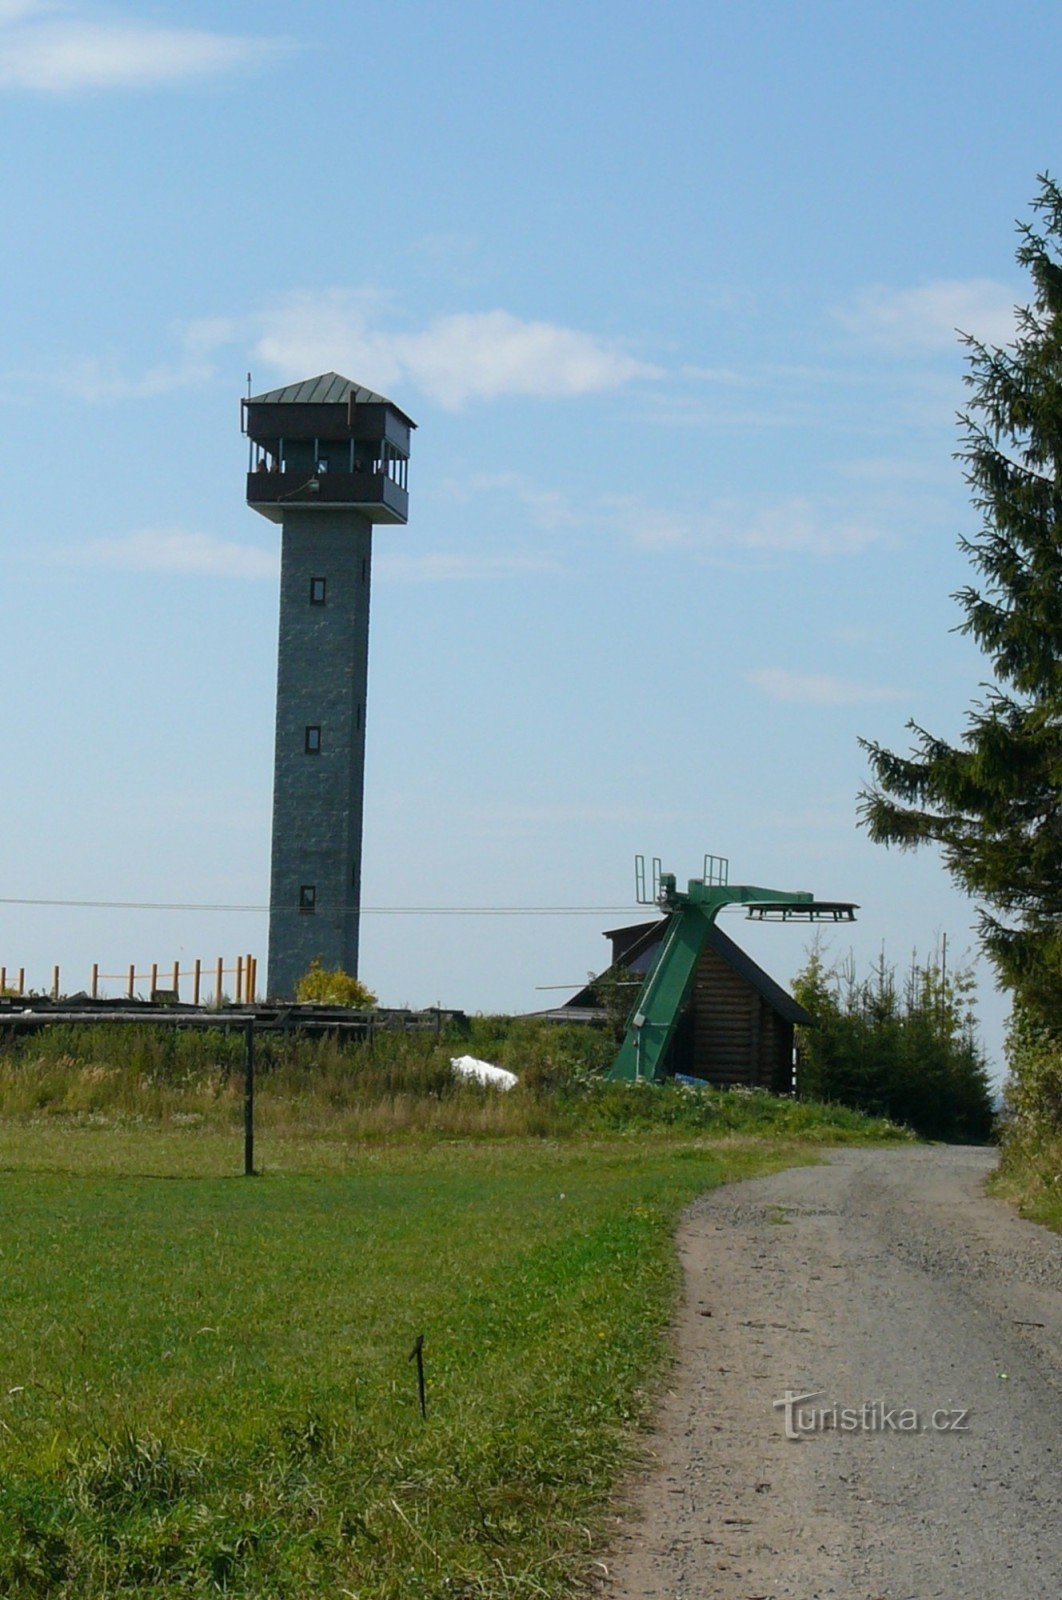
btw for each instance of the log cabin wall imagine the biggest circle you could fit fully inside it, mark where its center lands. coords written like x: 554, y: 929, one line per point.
x: 737, y: 1025
x: 738, y: 1039
x: 776, y: 1051
x: 726, y: 1025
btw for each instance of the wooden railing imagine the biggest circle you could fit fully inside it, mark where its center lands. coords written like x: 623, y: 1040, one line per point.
x: 203, y: 983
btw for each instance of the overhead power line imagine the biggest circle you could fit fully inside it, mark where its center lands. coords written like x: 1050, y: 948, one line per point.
x: 641, y: 911
x: 366, y: 911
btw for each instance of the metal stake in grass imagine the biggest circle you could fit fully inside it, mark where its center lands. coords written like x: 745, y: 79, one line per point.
x: 417, y: 1355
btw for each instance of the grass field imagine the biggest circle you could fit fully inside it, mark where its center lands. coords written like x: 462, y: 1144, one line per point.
x: 205, y: 1384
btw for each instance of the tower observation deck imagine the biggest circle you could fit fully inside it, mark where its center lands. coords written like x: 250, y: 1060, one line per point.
x: 327, y: 459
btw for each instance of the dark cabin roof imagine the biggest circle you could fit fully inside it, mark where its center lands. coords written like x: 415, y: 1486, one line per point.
x: 327, y: 389
x: 635, y: 947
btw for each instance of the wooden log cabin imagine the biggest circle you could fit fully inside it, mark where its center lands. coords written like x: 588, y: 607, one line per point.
x: 737, y: 1025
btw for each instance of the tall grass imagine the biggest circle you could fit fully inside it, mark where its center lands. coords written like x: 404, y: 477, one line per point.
x: 1030, y: 1167
x: 395, y: 1086
x: 1030, y: 1174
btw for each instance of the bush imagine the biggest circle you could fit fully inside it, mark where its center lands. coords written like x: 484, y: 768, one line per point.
x: 1030, y: 1168
x: 1034, y: 1084
x: 616, y: 992
x: 544, y: 1055
x: 331, y: 986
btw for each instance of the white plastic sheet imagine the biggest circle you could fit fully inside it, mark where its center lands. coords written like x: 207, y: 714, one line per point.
x: 483, y: 1072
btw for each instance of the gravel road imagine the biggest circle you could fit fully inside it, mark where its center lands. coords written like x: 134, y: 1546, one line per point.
x: 888, y: 1286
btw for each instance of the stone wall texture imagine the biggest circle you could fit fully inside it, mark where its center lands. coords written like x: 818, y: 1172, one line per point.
x: 322, y: 664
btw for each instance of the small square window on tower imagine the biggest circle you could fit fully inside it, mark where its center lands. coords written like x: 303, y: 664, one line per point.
x: 308, y: 897
x: 318, y: 591
x: 312, y: 745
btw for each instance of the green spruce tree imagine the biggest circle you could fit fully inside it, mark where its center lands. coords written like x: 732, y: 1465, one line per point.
x: 903, y: 1049
x: 993, y: 802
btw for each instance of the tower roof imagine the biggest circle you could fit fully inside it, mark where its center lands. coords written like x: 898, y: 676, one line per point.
x: 327, y: 389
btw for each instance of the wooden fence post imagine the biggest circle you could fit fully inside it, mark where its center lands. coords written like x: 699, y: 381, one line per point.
x: 219, y: 980
x: 154, y: 980
x: 95, y: 980
x: 176, y: 985
x: 55, y: 983
x: 239, y: 980
x: 197, y: 972
x: 132, y: 983
x: 21, y: 982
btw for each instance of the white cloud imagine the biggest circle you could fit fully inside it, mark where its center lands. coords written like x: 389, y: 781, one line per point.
x: 547, y: 508
x: 781, y: 409
x: 925, y: 320
x: 811, y: 689
x: 492, y: 353
x: 97, y: 380
x: 789, y: 526
x: 187, y: 553
x: 175, y: 550
x: 472, y: 355
x: 54, y: 49
x: 448, y: 567
x: 725, y: 377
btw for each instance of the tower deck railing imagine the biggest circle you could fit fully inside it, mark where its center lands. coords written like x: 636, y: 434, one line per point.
x: 372, y: 490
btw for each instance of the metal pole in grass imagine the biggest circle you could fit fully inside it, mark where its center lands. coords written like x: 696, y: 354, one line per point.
x: 417, y: 1355
x: 248, y: 1098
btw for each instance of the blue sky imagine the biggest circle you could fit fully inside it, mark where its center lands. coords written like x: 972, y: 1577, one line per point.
x: 671, y: 291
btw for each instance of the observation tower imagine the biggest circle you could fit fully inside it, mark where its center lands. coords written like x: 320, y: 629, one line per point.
x: 327, y: 460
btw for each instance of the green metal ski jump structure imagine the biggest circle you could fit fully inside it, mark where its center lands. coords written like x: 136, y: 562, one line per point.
x: 690, y: 915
